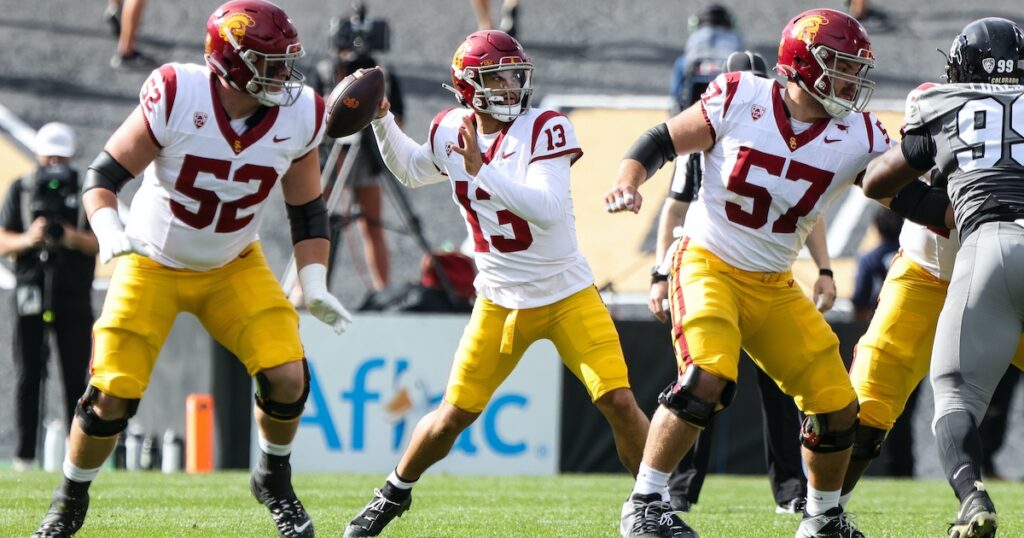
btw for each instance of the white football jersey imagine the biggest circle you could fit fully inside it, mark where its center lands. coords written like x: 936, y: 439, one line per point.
x: 520, y: 264
x: 767, y: 178
x: 201, y: 200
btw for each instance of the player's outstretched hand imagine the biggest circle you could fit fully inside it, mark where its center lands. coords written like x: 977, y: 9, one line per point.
x: 624, y: 195
x: 111, y: 236
x: 469, y: 148
x: 328, y: 309
x: 324, y: 306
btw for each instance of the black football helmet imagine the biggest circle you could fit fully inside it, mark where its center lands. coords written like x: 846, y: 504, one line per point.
x: 987, y: 50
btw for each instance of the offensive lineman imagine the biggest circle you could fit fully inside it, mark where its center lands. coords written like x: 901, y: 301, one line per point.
x: 775, y: 158
x: 213, y: 141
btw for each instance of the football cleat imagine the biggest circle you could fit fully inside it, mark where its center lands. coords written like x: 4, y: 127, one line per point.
x: 834, y: 523
x: 65, y: 516
x: 647, y: 516
x: 792, y: 506
x: 377, y: 514
x: 976, y: 518
x: 673, y: 526
x: 275, y: 491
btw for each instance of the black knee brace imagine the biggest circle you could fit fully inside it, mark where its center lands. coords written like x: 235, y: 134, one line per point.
x: 96, y: 426
x: 278, y: 410
x: 867, y: 442
x: 678, y: 397
x: 816, y: 436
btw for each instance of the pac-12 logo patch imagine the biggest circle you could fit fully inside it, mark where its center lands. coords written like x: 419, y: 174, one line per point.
x: 756, y: 112
x: 199, y: 119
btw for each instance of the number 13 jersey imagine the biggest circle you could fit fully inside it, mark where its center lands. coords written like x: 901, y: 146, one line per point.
x: 201, y: 200
x: 767, y: 179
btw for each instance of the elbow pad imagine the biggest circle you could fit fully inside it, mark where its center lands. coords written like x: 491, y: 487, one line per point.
x: 106, y: 173
x: 653, y: 149
x: 308, y: 220
x: 921, y: 203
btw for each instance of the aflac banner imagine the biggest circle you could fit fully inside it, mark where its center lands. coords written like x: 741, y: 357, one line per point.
x: 372, y: 384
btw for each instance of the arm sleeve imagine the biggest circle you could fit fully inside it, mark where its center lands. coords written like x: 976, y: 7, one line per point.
x: 413, y: 164
x: 918, y: 149
x: 541, y: 200
x: 157, y: 101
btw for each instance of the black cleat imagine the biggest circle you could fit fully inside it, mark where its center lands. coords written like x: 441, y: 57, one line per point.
x: 275, y: 491
x: 976, y: 518
x: 65, y: 516
x: 673, y: 526
x: 834, y: 523
x: 647, y: 516
x: 376, y: 515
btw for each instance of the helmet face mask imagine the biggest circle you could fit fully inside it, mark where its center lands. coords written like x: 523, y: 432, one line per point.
x: 492, y: 75
x: 823, y: 50
x: 987, y: 50
x: 253, y: 46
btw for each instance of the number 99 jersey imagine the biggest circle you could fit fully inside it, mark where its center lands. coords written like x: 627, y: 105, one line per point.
x: 201, y: 200
x: 767, y: 179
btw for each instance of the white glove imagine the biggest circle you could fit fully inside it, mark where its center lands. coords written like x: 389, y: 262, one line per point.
x: 110, y: 234
x: 319, y: 301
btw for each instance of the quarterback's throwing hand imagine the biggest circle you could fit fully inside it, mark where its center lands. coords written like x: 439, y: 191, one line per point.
x: 468, y: 147
x: 111, y: 236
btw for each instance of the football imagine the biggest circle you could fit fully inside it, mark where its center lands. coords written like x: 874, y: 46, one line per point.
x: 354, y: 101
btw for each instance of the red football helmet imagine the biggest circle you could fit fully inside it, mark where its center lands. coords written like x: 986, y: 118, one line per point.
x: 253, y: 45
x: 817, y: 45
x: 492, y: 52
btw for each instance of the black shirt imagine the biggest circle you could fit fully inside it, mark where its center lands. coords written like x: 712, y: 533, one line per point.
x: 75, y: 269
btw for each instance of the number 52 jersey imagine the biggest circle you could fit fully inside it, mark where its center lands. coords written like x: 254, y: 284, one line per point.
x: 767, y: 178
x: 201, y: 200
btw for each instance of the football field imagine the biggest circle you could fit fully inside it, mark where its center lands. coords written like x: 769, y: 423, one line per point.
x: 219, y: 505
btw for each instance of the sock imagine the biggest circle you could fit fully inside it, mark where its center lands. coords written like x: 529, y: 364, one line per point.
x: 77, y: 480
x: 650, y: 480
x: 845, y: 499
x: 819, y: 502
x: 275, y: 450
x: 960, y: 451
x: 396, y: 488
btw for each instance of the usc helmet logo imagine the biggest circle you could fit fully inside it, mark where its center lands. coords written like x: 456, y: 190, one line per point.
x: 460, y: 55
x: 236, y: 24
x: 807, y: 28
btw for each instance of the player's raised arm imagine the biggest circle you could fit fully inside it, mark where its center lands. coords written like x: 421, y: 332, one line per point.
x: 411, y: 163
x: 684, y: 133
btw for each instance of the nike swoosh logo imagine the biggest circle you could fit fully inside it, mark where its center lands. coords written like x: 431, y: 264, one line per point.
x: 246, y: 253
x: 300, y: 528
x: 961, y: 468
x: 832, y: 140
x: 507, y: 155
x: 276, y: 139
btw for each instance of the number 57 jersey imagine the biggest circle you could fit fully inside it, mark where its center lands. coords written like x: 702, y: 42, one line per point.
x: 767, y: 178
x: 202, y: 199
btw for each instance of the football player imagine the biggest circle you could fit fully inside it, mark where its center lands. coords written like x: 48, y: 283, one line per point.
x: 508, y: 164
x: 969, y: 131
x: 776, y: 156
x: 213, y: 141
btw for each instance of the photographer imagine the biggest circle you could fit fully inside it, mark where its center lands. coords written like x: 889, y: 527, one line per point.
x: 352, y: 39
x: 43, y: 228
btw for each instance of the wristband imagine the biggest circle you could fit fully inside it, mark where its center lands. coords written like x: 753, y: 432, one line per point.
x: 826, y: 272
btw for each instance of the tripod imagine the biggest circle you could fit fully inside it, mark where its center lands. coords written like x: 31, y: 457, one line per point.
x: 333, y: 183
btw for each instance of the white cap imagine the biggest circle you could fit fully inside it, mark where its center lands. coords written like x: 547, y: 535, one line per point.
x: 55, y: 140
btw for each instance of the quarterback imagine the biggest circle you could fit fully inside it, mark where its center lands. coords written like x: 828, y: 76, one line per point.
x: 213, y: 141
x: 776, y: 156
x: 508, y: 165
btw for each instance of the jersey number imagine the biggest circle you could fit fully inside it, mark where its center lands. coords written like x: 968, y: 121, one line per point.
x: 203, y: 216
x: 980, y: 127
x: 773, y: 164
x: 558, y: 139
x: 521, y: 239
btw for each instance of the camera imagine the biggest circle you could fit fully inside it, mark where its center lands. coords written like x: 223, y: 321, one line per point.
x: 359, y: 34
x: 54, y: 192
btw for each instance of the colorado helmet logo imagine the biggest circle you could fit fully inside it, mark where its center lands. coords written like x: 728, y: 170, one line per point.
x: 232, y: 28
x: 807, y: 28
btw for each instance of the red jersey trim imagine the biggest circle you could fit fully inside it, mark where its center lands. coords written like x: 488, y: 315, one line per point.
x: 239, y: 143
x: 149, y: 130
x: 732, y: 82
x: 870, y: 130
x: 576, y: 154
x: 707, y: 120
x: 434, y: 124
x: 793, y: 141
x: 538, y: 124
x: 170, y: 77
x: 493, y: 150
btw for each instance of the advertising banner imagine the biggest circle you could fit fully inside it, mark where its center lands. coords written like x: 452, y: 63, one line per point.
x: 372, y: 384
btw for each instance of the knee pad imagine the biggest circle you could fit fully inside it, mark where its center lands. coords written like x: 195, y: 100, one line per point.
x: 678, y: 397
x: 867, y: 442
x: 816, y: 436
x: 95, y: 426
x: 278, y: 410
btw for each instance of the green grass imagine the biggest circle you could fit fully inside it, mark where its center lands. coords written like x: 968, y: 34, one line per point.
x: 153, y: 505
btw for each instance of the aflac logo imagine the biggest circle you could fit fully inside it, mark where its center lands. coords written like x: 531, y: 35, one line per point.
x: 386, y: 394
